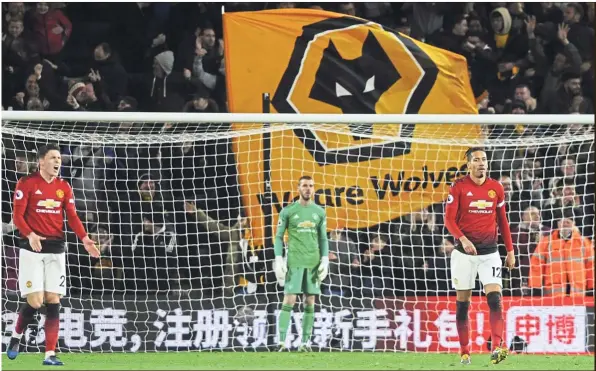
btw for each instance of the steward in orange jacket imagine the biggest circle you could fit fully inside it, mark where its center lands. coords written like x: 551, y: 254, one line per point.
x: 564, y: 257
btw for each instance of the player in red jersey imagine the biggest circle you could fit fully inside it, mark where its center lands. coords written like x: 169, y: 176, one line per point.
x: 475, y: 207
x: 40, y: 201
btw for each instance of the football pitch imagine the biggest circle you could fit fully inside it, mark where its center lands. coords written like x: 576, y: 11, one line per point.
x: 295, y: 361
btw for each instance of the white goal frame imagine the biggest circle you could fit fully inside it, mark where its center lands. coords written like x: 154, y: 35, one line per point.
x: 271, y: 118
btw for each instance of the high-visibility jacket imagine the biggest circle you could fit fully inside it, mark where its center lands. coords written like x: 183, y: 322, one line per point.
x: 557, y: 262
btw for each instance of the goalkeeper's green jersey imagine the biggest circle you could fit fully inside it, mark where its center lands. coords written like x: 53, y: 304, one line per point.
x: 307, y: 232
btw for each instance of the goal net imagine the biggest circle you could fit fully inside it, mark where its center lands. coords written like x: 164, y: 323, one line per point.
x: 184, y: 216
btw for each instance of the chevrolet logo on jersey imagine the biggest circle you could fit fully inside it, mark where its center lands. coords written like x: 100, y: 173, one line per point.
x: 306, y: 224
x: 326, y: 62
x: 50, y: 206
x: 481, y: 206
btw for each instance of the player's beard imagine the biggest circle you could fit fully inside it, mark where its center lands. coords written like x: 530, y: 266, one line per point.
x: 304, y: 197
x: 480, y: 174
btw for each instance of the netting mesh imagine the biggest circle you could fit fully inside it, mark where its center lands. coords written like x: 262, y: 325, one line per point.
x: 184, y: 215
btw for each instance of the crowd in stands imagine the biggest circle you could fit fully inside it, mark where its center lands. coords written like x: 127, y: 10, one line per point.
x: 168, y: 218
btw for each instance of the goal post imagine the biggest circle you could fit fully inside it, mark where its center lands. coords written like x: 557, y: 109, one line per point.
x: 290, y: 118
x: 184, y: 216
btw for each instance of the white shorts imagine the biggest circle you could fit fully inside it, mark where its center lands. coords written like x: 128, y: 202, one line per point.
x: 42, y: 272
x: 464, y: 269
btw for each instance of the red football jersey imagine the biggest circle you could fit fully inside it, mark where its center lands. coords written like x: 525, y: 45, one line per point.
x: 475, y: 211
x: 39, y: 207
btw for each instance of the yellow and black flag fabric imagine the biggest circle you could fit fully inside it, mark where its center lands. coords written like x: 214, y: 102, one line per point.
x: 314, y: 61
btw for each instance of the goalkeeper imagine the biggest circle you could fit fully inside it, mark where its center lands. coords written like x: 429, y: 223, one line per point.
x: 307, y: 261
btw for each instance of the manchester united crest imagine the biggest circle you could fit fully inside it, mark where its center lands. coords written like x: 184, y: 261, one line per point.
x: 60, y: 193
x: 492, y: 194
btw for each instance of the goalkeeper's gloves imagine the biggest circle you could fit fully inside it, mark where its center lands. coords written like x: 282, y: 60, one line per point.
x: 280, y: 270
x: 323, y: 268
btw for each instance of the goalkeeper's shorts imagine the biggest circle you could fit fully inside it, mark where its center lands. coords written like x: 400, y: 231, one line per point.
x: 302, y: 281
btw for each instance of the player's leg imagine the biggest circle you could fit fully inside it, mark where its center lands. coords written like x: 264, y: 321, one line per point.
x: 55, y: 282
x: 31, y: 286
x: 308, y: 321
x: 464, y: 269
x: 292, y: 287
x: 490, y: 276
x: 312, y: 289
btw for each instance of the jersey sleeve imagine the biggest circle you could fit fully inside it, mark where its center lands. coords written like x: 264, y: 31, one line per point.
x: 21, y: 199
x: 451, y: 210
x: 502, y: 221
x: 71, y: 214
x: 323, y: 241
x: 282, y: 224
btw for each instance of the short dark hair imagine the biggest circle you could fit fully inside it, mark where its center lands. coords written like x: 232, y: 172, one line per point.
x: 207, y: 26
x: 304, y: 177
x: 523, y: 85
x: 43, y: 150
x: 472, y: 150
x: 577, y: 8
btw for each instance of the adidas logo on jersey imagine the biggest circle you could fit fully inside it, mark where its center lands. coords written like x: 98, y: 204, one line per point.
x: 38, y: 192
x: 470, y: 194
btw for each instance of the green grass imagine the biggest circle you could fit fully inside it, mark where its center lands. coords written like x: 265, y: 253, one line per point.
x: 296, y: 361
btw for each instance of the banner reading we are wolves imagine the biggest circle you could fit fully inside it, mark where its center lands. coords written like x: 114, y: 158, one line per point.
x: 320, y: 62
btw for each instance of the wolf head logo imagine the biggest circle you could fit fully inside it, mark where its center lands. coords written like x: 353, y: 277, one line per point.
x: 356, y: 85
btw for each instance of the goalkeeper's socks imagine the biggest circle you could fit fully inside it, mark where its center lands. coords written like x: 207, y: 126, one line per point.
x: 496, y: 318
x: 52, y: 326
x: 25, y: 319
x: 463, y: 327
x: 284, y: 322
x: 307, y: 322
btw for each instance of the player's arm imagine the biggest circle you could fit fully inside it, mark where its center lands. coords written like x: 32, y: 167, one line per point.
x: 324, y: 247
x: 504, y: 228
x: 278, y: 247
x: 323, y: 241
x: 75, y: 223
x: 21, y: 199
x: 282, y: 224
x: 451, y: 212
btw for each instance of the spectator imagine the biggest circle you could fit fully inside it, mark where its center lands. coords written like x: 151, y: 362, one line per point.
x: 563, y: 263
x: 580, y: 34
x: 560, y: 100
x: 529, y: 186
x: 525, y: 237
x: 524, y: 94
x: 347, y: 9
x: 375, y: 263
x: 163, y: 90
x: 453, y: 38
x: 154, y: 250
x: 214, y: 50
x: 51, y: 29
x: 438, y: 270
x: 229, y: 238
x: 110, y: 71
x: 567, y: 202
x: 15, y: 11
x: 343, y: 259
x: 201, y: 103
